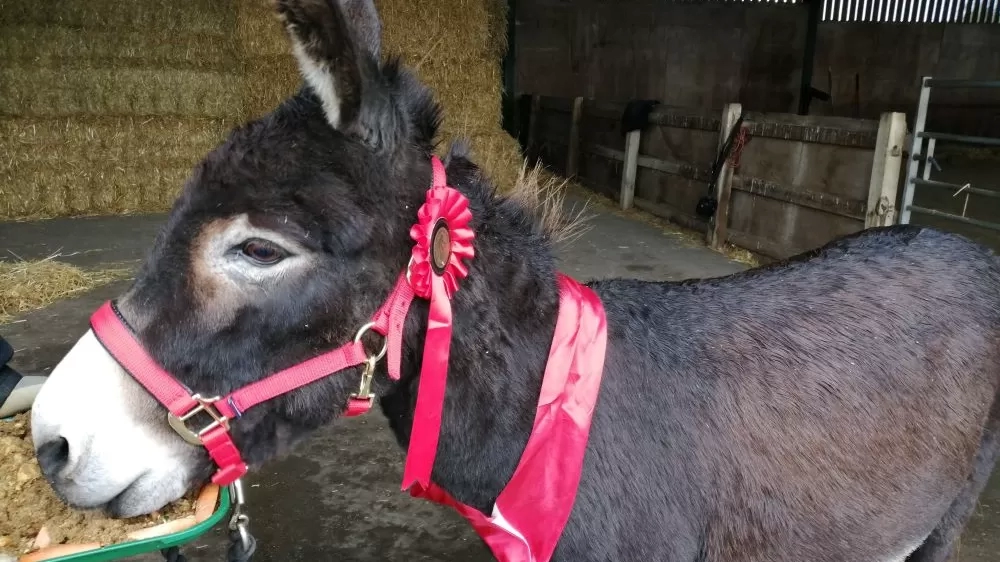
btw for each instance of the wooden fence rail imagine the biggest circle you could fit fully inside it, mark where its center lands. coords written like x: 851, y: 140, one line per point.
x: 799, y: 180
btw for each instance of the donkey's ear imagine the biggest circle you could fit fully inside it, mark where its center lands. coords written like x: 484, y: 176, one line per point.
x: 336, y: 43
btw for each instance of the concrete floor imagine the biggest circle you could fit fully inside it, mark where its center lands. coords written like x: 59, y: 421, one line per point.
x: 337, y: 497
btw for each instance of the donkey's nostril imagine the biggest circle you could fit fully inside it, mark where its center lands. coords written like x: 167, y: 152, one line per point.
x: 53, y: 457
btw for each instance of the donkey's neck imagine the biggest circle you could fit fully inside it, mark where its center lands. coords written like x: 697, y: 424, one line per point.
x: 504, y: 315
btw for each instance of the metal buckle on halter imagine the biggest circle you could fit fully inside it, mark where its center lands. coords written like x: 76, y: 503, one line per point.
x: 364, y: 390
x: 179, y: 424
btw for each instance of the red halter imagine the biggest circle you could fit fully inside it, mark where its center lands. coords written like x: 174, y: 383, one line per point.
x: 443, y: 239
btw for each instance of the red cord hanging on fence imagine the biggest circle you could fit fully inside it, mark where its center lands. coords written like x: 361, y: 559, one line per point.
x: 741, y: 140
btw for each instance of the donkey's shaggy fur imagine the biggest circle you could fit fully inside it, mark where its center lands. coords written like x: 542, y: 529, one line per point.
x: 842, y: 406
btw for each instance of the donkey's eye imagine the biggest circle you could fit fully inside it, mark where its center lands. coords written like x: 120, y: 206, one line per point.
x: 262, y: 252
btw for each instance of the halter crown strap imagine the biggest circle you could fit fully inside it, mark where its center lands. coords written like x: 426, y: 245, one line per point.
x: 439, y: 178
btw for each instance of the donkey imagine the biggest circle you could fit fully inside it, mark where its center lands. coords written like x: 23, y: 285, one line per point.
x: 839, y: 406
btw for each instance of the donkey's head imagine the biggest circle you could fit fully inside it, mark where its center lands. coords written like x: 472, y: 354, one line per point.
x: 284, y: 242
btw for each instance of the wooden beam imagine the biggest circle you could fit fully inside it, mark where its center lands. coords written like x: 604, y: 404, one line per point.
x: 820, y: 130
x: 723, y: 185
x: 675, y: 167
x: 632, y: 140
x: 666, y: 116
x: 573, y: 150
x: 826, y: 202
x: 886, y: 165
x: 683, y: 118
x: 609, y: 153
x: 536, y: 109
x: 815, y: 8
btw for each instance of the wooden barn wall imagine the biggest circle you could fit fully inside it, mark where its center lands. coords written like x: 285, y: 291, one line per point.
x: 596, y: 171
x: 694, y: 56
x: 707, y: 55
x: 688, y: 139
x: 871, y: 68
x: 798, y: 181
x: 830, y: 176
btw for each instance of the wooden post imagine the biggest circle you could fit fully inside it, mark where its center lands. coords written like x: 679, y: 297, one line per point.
x: 629, y: 167
x: 573, y: 152
x: 886, y: 165
x: 724, y: 184
x: 531, y: 149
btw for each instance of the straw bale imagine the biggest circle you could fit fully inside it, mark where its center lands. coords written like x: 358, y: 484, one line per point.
x: 47, y: 92
x: 459, y: 27
x: 497, y: 11
x: 266, y: 81
x: 247, y: 90
x: 465, y: 78
x: 29, y: 285
x: 115, y: 102
x: 130, y: 15
x: 268, y: 71
x: 497, y: 153
x: 35, y: 46
x: 456, y: 47
x: 258, y: 30
x: 469, y: 92
x: 56, y: 167
x: 94, y: 139
x: 444, y: 28
x: 85, y: 192
x: 451, y: 47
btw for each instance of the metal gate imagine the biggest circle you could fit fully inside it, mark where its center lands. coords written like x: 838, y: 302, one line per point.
x: 921, y: 163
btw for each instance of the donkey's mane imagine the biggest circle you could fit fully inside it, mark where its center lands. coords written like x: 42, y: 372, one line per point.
x: 544, y: 195
x: 538, y: 194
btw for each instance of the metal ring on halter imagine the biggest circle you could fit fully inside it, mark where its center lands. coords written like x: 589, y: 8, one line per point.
x: 385, y: 344
x: 239, y: 521
x: 236, y: 491
x: 241, y: 528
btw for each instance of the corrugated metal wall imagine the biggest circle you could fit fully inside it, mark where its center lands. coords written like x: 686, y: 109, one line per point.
x: 898, y: 11
x: 913, y: 11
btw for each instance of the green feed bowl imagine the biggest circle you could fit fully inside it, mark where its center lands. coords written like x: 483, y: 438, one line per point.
x: 152, y: 539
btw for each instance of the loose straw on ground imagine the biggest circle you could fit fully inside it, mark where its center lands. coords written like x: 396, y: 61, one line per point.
x: 30, y: 285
